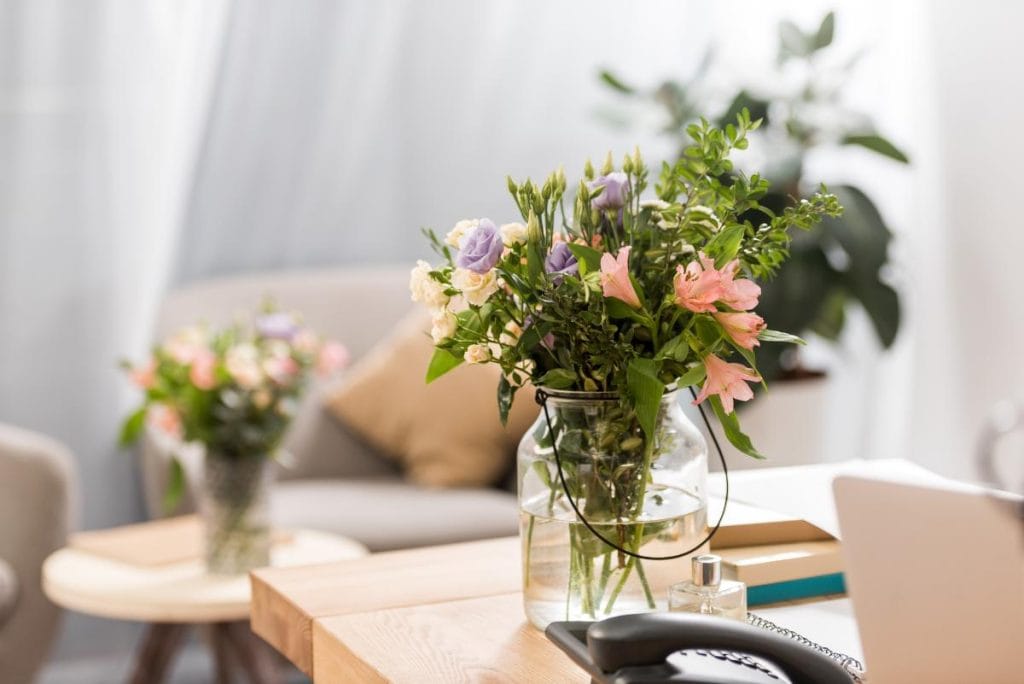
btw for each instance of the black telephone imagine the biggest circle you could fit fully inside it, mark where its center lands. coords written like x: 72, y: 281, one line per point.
x: 684, y: 647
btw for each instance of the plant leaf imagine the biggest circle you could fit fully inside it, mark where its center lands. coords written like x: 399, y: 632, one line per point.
x: 778, y: 336
x: 613, y: 81
x: 731, y: 425
x: 506, y: 393
x: 175, y: 485
x: 823, y: 38
x: 558, y: 378
x: 440, y: 363
x: 646, y: 391
x: 587, y: 255
x: 694, y: 376
x: 877, y: 143
x: 617, y: 308
x: 132, y: 427
x: 724, y: 246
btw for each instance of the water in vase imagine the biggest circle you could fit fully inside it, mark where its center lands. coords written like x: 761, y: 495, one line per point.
x: 569, y: 574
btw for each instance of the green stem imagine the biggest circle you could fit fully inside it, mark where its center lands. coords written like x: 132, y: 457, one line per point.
x: 606, y: 571
x: 619, y: 585
x: 643, y: 582
x: 529, y: 549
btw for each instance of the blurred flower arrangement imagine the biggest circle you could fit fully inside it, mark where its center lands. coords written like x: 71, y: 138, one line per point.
x: 234, y: 391
x: 631, y: 295
x: 844, y: 260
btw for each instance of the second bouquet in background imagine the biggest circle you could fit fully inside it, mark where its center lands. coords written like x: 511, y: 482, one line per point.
x: 609, y: 309
x: 234, y: 391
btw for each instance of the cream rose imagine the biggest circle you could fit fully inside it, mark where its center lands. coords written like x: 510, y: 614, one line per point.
x: 477, y: 353
x: 424, y: 288
x: 510, y: 336
x: 513, y: 233
x: 456, y: 234
x: 477, y: 288
x: 443, y: 325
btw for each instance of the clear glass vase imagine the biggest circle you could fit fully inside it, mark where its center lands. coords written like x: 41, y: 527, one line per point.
x: 647, y: 496
x: 234, y: 505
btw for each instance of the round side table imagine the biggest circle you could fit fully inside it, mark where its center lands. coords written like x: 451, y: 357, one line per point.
x: 176, y: 596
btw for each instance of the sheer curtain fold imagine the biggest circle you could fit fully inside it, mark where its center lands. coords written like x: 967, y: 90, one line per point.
x: 102, y: 106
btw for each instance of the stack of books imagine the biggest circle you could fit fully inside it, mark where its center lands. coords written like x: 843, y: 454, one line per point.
x: 779, y: 557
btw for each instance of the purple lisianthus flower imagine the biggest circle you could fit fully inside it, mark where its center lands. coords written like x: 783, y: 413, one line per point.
x: 561, y: 262
x: 277, y: 326
x: 482, y: 248
x: 615, y: 187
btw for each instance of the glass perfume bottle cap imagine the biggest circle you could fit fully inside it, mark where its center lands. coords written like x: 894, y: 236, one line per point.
x: 707, y: 570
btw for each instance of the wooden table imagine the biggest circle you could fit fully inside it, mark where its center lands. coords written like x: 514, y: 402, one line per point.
x: 441, y: 614
x: 153, y: 573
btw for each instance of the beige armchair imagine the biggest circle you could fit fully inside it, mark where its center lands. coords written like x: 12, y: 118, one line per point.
x: 334, y: 482
x: 36, y: 489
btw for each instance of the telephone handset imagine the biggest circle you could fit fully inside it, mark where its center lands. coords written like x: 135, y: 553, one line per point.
x: 690, y: 648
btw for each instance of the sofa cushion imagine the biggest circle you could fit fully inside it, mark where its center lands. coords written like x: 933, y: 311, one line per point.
x: 387, y: 514
x: 445, y: 434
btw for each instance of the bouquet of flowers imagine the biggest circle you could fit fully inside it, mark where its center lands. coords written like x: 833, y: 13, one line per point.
x: 232, y: 390
x: 609, y: 306
x: 633, y: 294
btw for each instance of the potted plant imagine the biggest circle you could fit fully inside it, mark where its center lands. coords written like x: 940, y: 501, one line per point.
x: 841, y: 261
x: 612, y: 309
x: 234, y: 392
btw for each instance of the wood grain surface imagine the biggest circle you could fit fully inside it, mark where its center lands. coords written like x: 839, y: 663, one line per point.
x: 286, y: 602
x: 472, y: 640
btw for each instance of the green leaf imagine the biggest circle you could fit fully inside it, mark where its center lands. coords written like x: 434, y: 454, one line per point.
x: 793, y: 41
x: 694, y: 376
x: 541, y: 468
x: 646, y: 391
x: 726, y: 244
x: 877, y: 143
x: 676, y: 348
x: 731, y: 425
x: 132, y: 427
x: 440, y: 363
x: 613, y: 81
x: 175, y: 485
x: 506, y: 393
x: 882, y: 305
x: 586, y: 255
x: 617, y: 308
x: 558, y: 378
x: 823, y: 38
x: 777, y: 336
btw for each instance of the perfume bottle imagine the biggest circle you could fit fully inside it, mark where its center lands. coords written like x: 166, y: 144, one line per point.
x: 707, y: 593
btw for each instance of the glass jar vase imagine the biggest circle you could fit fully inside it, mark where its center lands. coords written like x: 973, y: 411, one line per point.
x: 234, y: 505
x: 646, y: 495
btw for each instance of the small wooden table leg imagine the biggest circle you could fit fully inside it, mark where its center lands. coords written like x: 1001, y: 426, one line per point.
x: 219, y: 641
x: 255, y: 656
x: 158, y: 648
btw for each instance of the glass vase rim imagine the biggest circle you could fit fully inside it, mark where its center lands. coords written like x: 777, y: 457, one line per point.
x: 607, y: 395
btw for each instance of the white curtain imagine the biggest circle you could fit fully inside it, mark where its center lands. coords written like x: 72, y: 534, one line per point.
x: 102, y: 107
x: 147, y: 143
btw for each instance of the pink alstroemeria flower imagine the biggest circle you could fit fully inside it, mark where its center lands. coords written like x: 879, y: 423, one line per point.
x: 332, y: 358
x: 201, y: 371
x: 699, y: 285
x: 728, y: 381
x: 615, y: 280
x: 740, y: 294
x: 144, y: 376
x: 742, y: 327
x: 281, y: 369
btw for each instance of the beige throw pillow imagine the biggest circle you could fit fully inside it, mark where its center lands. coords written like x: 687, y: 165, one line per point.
x: 445, y: 434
